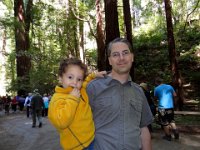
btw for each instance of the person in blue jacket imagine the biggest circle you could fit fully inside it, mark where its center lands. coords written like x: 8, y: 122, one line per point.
x: 165, y: 94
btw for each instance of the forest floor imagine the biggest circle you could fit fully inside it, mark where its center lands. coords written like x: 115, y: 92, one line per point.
x: 16, y: 133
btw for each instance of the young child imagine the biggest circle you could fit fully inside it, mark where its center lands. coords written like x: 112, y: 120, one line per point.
x: 69, y: 109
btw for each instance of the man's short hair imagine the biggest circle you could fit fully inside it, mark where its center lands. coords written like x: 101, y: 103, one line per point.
x: 118, y: 40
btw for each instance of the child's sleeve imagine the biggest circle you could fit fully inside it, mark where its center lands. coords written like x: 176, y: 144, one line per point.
x: 62, y: 111
x: 88, y: 79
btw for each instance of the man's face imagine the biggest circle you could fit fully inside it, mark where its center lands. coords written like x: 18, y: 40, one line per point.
x: 121, y: 58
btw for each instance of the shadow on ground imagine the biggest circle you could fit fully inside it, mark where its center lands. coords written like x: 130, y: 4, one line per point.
x: 16, y: 133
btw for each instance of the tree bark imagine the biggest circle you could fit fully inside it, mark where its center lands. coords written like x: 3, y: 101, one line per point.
x: 100, y: 38
x: 176, y: 77
x: 112, y: 24
x: 128, y: 28
x: 22, y: 27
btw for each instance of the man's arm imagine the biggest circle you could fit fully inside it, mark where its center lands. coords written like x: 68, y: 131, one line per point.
x: 146, y: 139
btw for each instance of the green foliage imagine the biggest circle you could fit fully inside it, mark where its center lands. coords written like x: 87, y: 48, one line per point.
x: 54, y: 35
x: 189, y: 38
x: 9, y: 4
x: 91, y: 57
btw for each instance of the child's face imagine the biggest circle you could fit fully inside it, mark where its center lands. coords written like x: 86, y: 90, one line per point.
x: 73, y: 77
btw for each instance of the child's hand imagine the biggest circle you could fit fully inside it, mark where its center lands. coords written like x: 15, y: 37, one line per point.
x: 75, y: 92
x: 100, y: 74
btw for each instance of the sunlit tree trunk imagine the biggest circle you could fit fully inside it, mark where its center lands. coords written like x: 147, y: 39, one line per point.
x: 128, y: 27
x: 80, y: 35
x: 22, y: 14
x: 100, y: 38
x: 112, y: 24
x: 176, y: 77
x: 76, y: 32
x: 81, y: 41
x: 67, y: 7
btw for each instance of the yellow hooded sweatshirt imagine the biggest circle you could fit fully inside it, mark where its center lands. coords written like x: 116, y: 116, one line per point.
x: 72, y: 117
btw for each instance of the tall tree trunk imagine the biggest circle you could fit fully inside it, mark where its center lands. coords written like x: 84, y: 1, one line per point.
x: 128, y: 28
x: 71, y: 30
x: 80, y: 35
x: 112, y: 24
x: 81, y: 40
x: 127, y: 20
x: 22, y: 25
x: 176, y: 77
x: 100, y: 38
x: 75, y: 31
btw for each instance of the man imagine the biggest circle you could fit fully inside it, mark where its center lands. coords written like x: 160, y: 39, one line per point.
x: 152, y: 106
x: 37, y: 106
x: 165, y: 95
x: 120, y: 109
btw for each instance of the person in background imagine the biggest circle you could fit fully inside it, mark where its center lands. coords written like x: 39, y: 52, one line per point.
x: 120, y: 110
x: 37, y: 105
x: 7, y: 102
x: 14, y: 104
x: 27, y: 104
x: 1, y: 103
x: 69, y: 109
x: 165, y: 94
x: 152, y: 106
x: 49, y: 97
x: 20, y: 100
x: 46, y: 105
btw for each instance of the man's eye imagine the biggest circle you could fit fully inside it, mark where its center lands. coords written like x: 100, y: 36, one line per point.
x: 126, y: 52
x: 115, y: 54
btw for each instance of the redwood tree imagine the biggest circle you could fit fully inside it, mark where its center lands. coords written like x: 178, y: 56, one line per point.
x: 100, y: 38
x: 176, y: 77
x: 22, y: 26
x: 128, y: 27
x: 112, y: 24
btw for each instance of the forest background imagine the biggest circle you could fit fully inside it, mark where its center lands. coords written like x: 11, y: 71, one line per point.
x: 36, y: 34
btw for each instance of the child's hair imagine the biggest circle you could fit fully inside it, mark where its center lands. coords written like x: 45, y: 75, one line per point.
x: 71, y: 61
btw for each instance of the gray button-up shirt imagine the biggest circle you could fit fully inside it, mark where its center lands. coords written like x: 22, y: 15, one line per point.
x: 119, y: 112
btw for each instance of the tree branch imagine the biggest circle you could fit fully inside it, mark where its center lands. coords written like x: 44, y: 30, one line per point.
x: 190, y: 14
x: 81, y: 19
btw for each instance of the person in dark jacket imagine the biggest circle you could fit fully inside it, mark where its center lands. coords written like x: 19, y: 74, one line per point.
x: 37, y: 105
x: 152, y: 106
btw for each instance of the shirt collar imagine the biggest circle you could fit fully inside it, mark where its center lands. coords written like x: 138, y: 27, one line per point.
x: 109, y: 80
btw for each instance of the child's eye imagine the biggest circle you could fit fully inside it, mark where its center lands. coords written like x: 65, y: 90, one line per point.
x: 80, y: 80
x: 70, y: 77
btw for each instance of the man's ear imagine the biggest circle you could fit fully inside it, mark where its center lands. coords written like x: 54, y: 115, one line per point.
x: 109, y: 61
x: 132, y: 57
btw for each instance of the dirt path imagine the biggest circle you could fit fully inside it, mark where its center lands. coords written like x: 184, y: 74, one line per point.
x: 16, y: 134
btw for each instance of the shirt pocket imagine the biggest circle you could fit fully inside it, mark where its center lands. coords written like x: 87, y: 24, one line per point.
x: 103, y: 111
x: 135, y: 111
x: 103, y: 102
